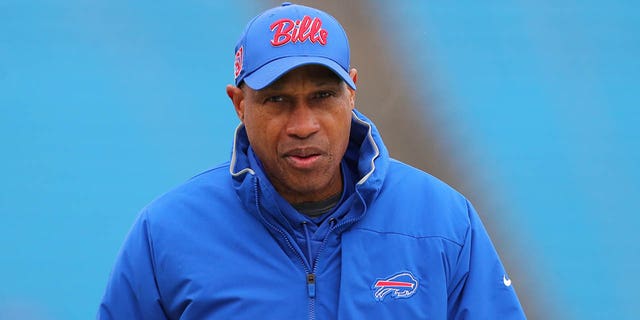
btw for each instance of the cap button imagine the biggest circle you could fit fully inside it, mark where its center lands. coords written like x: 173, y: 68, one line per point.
x: 284, y: 4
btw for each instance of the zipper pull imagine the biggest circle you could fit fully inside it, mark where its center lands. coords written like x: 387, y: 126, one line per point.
x: 311, y: 285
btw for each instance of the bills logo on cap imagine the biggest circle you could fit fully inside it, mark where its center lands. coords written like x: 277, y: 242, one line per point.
x: 401, y: 285
x: 289, y: 31
x: 237, y: 65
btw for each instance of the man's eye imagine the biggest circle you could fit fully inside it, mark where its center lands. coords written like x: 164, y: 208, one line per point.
x: 324, y: 94
x: 274, y: 99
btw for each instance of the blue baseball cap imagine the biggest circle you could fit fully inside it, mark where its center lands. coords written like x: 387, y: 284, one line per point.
x: 286, y: 37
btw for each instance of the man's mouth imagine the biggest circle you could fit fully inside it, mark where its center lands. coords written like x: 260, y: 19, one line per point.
x: 303, y: 158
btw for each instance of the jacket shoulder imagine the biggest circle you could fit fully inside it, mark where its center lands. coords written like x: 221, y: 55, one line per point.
x: 417, y: 204
x: 206, y: 189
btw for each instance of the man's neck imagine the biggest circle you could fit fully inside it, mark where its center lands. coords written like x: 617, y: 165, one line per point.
x: 317, y: 208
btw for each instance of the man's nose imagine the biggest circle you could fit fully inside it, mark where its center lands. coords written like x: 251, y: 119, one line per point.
x: 303, y: 122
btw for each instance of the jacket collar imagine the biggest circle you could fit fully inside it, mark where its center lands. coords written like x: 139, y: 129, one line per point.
x: 365, y: 153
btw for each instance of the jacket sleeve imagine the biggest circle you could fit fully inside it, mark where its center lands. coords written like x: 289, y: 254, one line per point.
x: 480, y: 287
x: 132, y: 292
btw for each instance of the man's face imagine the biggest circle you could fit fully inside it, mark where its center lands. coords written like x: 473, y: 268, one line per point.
x: 299, y: 128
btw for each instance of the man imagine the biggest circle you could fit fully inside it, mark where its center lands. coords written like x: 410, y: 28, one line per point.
x: 310, y: 219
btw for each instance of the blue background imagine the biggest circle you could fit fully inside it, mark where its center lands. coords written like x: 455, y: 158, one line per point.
x: 104, y: 105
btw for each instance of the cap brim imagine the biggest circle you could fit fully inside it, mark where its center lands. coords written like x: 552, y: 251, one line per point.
x: 275, y: 69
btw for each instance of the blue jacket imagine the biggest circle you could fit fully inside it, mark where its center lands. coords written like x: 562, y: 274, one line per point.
x: 225, y: 245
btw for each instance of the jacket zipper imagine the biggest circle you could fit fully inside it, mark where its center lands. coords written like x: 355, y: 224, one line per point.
x: 309, y: 270
x: 311, y: 274
x: 311, y: 277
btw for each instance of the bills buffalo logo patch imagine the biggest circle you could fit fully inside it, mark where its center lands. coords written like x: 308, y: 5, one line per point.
x: 398, y: 286
x: 237, y: 64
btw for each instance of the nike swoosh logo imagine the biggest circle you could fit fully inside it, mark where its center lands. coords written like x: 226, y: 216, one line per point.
x: 507, y: 282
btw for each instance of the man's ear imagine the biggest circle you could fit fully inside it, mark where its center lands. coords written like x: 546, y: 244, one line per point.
x: 237, y: 98
x: 353, y: 73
